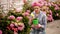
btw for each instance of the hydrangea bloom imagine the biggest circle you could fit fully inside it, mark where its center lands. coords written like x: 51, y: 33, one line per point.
x: 57, y: 8
x: 21, y: 26
x: 11, y: 25
x: 11, y: 17
x: 18, y: 10
x: 28, y: 11
x: 0, y: 32
x: 19, y: 18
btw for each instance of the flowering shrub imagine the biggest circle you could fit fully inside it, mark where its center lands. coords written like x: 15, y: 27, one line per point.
x: 55, y: 10
x: 16, y: 23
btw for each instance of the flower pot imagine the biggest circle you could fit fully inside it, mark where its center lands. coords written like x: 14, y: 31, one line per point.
x: 35, y: 21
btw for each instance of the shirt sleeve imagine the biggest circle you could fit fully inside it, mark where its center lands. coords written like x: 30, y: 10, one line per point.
x: 31, y: 17
x: 44, y: 21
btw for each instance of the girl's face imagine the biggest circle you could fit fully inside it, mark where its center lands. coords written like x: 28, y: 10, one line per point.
x: 36, y: 9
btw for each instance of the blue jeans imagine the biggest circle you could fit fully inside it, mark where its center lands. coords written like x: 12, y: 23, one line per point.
x: 35, y: 31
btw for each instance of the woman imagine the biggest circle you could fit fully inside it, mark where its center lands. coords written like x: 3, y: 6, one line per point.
x: 40, y: 28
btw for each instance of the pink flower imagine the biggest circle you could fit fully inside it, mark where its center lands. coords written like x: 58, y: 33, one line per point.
x: 12, y: 28
x: 49, y: 17
x: 15, y: 32
x: 21, y: 27
x: 49, y: 4
x: 19, y: 18
x: 41, y: 3
x: 0, y: 32
x: 41, y: 0
x: 25, y: 1
x: 56, y: 8
x: 52, y: 4
x: 11, y: 25
x: 50, y: 12
x: 46, y: 4
x: 15, y: 29
x: 58, y: 4
x: 55, y: 5
x: 18, y: 10
x: 11, y: 17
x: 28, y: 11
x: 26, y: 14
x: 57, y: 14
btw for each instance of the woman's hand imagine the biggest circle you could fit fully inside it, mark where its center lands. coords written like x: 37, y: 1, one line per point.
x: 32, y: 26
x: 39, y: 26
x: 36, y: 26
